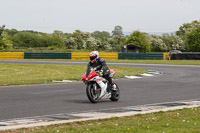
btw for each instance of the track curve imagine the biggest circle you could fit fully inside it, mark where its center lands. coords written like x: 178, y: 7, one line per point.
x: 176, y: 83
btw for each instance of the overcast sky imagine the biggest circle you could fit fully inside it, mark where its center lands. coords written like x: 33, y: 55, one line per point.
x: 102, y: 15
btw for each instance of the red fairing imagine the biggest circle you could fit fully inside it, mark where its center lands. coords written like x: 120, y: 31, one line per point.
x: 91, y: 75
x: 83, y: 77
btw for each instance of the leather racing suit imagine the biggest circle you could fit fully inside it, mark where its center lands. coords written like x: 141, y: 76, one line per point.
x: 100, y: 63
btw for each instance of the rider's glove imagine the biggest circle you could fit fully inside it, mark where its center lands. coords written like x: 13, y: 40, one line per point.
x: 101, y: 72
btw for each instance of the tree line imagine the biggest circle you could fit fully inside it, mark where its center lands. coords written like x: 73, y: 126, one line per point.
x: 187, y: 38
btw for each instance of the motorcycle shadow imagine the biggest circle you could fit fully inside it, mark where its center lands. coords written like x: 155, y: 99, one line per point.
x: 87, y: 101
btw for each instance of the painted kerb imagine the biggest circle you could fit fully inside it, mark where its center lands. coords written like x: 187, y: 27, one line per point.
x: 47, y: 55
x: 11, y: 55
x: 86, y: 55
x: 141, y: 56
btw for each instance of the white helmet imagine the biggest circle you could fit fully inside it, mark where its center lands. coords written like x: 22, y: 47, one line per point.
x: 94, y: 55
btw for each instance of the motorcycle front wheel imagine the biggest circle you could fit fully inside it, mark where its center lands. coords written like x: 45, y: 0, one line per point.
x: 115, y: 95
x: 93, y: 93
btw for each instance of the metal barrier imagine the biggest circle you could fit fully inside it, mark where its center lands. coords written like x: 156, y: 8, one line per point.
x: 47, y: 55
x: 133, y: 56
x: 141, y: 56
x: 80, y: 56
x: 11, y: 55
x: 86, y: 55
x: 110, y: 56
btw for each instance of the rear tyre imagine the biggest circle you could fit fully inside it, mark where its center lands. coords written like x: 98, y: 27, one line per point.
x: 92, y: 93
x: 115, y: 95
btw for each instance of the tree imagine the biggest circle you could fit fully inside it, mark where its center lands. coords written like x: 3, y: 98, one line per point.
x: 193, y: 40
x: 187, y: 27
x: 103, y: 36
x: 178, y: 43
x: 84, y: 40
x: 58, y: 33
x: 173, y: 42
x: 93, y: 44
x: 5, y: 43
x: 117, y: 31
x: 80, y: 39
x: 11, y: 32
x: 30, y: 40
x: 157, y: 44
x: 139, y: 39
x: 70, y: 42
x: 2, y: 28
x: 116, y: 42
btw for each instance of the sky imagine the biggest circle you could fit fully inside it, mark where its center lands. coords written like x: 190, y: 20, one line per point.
x: 102, y: 15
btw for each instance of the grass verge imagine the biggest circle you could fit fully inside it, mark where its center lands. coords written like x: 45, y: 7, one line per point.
x: 178, y: 121
x: 169, y: 62
x: 23, y: 74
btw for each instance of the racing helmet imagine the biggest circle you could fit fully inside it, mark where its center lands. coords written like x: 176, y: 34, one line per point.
x: 94, y: 55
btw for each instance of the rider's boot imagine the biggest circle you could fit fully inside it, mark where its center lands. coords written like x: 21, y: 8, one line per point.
x: 113, y: 86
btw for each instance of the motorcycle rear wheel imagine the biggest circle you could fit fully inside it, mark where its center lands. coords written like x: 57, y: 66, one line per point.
x: 92, y: 94
x: 115, y: 95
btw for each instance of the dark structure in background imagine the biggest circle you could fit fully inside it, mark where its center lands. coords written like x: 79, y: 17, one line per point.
x: 186, y: 56
x: 131, y: 49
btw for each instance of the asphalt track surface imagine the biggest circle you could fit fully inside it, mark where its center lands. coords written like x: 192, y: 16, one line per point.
x: 175, y: 83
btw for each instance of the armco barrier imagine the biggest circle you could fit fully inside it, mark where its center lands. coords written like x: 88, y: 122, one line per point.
x: 109, y: 55
x: 11, y: 55
x: 135, y: 56
x: 86, y: 55
x: 47, y: 55
x: 141, y: 56
x: 80, y: 56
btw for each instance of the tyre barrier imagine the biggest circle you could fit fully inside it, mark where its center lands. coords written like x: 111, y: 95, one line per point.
x: 185, y: 56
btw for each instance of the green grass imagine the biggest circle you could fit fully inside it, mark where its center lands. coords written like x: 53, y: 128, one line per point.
x: 170, y: 62
x: 178, y: 121
x: 23, y: 74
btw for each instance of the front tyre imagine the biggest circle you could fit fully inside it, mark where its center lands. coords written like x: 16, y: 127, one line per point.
x: 92, y: 93
x: 115, y: 95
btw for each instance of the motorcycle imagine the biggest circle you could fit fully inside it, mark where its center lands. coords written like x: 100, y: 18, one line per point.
x: 97, y: 87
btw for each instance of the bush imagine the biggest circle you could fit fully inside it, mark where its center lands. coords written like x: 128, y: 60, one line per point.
x: 193, y: 40
x: 139, y: 39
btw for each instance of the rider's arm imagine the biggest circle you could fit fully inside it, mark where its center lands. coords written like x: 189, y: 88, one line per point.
x: 103, y: 64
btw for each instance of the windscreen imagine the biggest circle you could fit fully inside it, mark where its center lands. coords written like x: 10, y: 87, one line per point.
x: 88, y: 70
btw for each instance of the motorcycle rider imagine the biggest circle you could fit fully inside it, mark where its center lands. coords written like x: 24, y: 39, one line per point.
x: 95, y: 61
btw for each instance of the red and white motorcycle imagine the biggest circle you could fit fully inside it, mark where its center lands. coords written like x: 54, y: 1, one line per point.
x: 98, y: 87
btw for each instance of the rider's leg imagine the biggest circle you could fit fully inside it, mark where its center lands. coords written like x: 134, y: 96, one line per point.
x: 106, y: 75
